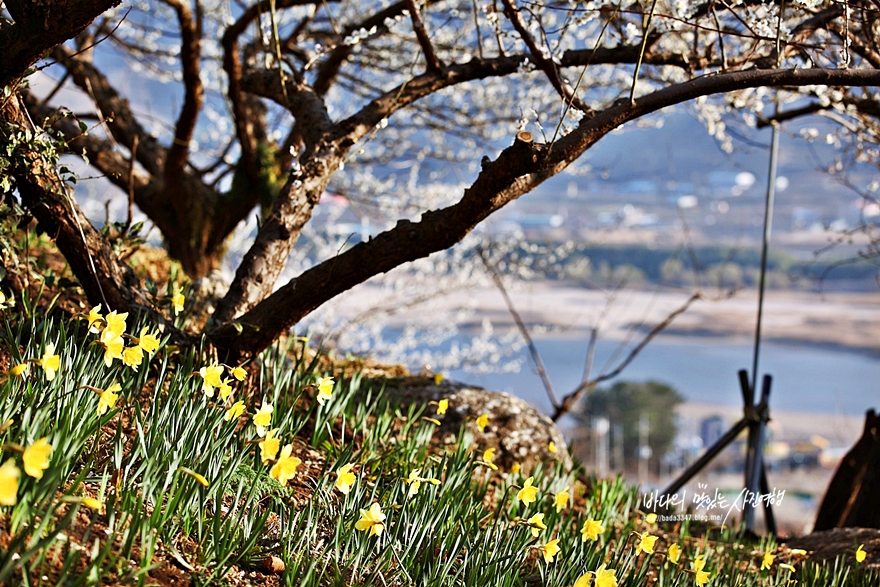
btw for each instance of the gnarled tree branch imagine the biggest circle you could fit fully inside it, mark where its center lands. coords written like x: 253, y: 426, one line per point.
x: 519, y: 169
x: 190, y: 55
x: 120, y: 119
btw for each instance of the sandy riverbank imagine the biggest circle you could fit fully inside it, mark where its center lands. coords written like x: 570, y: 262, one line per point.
x: 845, y: 320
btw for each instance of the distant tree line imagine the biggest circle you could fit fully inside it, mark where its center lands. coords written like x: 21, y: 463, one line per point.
x: 726, y: 267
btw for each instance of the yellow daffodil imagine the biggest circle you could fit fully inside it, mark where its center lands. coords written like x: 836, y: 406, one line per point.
x: 263, y: 418
x: 116, y: 322
x: 438, y: 378
x: 108, y: 398
x: 285, y: 468
x: 646, y: 544
x: 702, y: 577
x: 372, y: 520
x: 225, y: 390
x: 148, y: 341
x: 36, y: 458
x: 482, y: 422
x: 234, y: 411
x: 767, y: 561
x: 536, y: 523
x: 605, y: 577
x: 133, y: 356
x: 50, y: 361
x: 861, y: 554
x: 799, y: 551
x: 415, y: 482
x: 113, y: 346
x: 20, y: 370
x: 673, y: 553
x: 651, y: 518
x: 442, y: 406
x: 550, y: 550
x: 177, y: 302
x: 3, y: 300
x: 325, y: 389
x: 488, y: 457
x: 239, y: 373
x: 515, y: 468
x: 344, y: 479
x: 591, y: 530
x: 528, y: 493
x: 561, y: 500
x: 787, y: 567
x: 552, y: 447
x: 91, y: 502
x: 269, y: 447
x: 584, y: 580
x: 94, y: 318
x: 211, y: 378
x: 9, y: 475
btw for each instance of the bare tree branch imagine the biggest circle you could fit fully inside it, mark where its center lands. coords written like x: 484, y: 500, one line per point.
x: 812, y: 108
x: 121, y: 121
x: 422, y: 36
x: 523, y: 329
x: 361, y: 123
x: 544, y: 63
x: 190, y: 55
x: 306, y: 105
x: 407, y: 241
x: 331, y: 65
x: 572, y: 398
x: 247, y: 113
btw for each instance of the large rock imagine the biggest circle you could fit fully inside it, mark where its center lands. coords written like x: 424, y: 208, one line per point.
x: 519, y: 433
x: 827, y: 545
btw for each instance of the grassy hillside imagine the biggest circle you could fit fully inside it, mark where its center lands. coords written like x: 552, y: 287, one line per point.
x: 129, y: 461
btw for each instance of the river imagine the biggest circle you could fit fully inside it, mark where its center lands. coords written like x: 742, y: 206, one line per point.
x: 805, y: 377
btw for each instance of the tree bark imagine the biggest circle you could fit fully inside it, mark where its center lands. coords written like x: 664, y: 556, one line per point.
x: 38, y: 27
x: 105, y: 279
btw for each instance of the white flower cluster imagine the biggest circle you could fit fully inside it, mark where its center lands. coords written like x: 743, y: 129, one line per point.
x: 359, y: 35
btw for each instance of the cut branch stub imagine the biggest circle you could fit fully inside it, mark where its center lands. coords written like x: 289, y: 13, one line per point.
x: 525, y: 136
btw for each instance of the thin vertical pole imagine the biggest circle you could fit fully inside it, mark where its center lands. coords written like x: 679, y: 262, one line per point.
x: 768, y: 206
x: 765, y: 243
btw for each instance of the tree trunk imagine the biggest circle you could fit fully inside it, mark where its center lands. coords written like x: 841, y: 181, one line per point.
x: 851, y: 498
x: 104, y: 278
